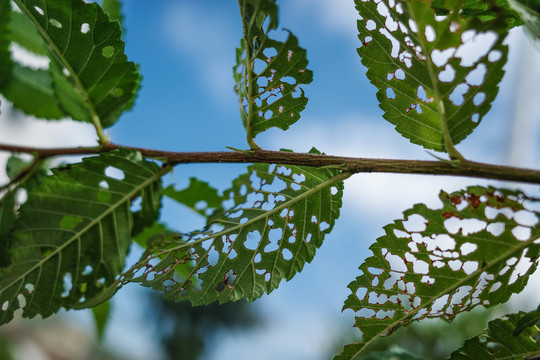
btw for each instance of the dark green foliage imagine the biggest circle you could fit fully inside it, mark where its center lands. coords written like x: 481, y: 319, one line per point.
x: 499, y: 341
x: 72, y: 235
x: 198, y: 196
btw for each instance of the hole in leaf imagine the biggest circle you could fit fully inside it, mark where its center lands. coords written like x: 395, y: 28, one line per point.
x: 87, y: 270
x: 333, y: 190
x: 479, y: 98
x: 494, y: 55
x: 429, y: 33
x: 274, y: 236
x: 395, y: 44
x: 324, y: 226
x: 308, y: 238
x: 361, y: 293
x: 68, y: 285
x: 103, y: 184
x: 448, y: 74
x: 55, y: 23
x: 475, y: 118
x: 421, y: 94
x: 39, y: 10
x: 477, y: 76
x: 521, y: 233
x: 85, y: 28
x: 66, y: 72
x: 370, y: 25
x: 413, y: 26
x: 415, y: 223
x: 257, y: 258
x: 457, y: 95
x: 114, y: 173
x: 474, y: 46
x: 390, y: 93
x: 287, y: 254
x: 440, y: 58
x: 399, y: 74
x: 252, y: 240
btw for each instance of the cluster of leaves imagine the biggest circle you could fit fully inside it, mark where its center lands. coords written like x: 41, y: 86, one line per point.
x: 65, y: 246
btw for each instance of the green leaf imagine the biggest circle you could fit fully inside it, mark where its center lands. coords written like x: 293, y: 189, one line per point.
x: 198, y: 196
x: 27, y: 83
x: 149, y: 232
x: 5, y: 40
x: 275, y: 218
x: 478, y: 249
x: 268, y: 73
x: 73, y: 233
x: 431, y: 86
x: 114, y: 9
x: 92, y: 77
x: 486, y: 11
x: 498, y: 341
x: 102, y: 314
x: 24, y: 33
x: 527, y: 320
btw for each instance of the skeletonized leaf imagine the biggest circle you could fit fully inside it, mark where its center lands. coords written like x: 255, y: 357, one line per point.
x: 27, y: 83
x: 478, y: 249
x: 275, y: 218
x: 499, y: 341
x: 436, y: 76
x: 198, y: 196
x: 73, y: 233
x: 268, y: 73
x: 92, y: 77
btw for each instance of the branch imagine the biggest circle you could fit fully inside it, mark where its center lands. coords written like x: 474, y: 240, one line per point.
x: 354, y: 165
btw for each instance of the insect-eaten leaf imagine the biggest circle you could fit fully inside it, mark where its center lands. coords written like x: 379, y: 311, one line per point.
x: 268, y: 73
x: 274, y: 219
x: 436, y: 75
x: 478, y: 249
x: 92, y: 77
x: 499, y: 341
x: 73, y: 233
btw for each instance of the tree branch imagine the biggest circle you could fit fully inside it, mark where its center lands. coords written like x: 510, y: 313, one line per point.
x: 354, y: 165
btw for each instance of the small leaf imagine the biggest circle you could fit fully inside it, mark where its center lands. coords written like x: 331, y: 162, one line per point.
x: 274, y: 219
x: 102, y: 314
x: 149, y: 232
x: 73, y: 233
x: 478, y: 249
x: 436, y: 76
x: 198, y: 196
x: 268, y: 73
x: 499, y: 341
x: 27, y: 83
x: 92, y: 77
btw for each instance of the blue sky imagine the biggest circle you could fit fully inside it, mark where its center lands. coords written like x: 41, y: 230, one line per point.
x: 186, y: 50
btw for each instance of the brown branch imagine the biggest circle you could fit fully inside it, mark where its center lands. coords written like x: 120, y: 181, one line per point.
x: 354, y: 165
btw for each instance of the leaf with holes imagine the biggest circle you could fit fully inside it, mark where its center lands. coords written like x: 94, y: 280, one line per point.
x: 268, y: 72
x: 73, y: 233
x: 274, y: 219
x: 478, y: 249
x: 436, y: 76
x: 198, y: 196
x: 499, y: 341
x: 92, y: 77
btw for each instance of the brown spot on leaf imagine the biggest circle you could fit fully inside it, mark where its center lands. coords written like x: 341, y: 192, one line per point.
x: 449, y: 214
x: 474, y: 200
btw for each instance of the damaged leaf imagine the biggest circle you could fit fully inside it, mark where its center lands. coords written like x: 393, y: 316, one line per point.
x: 73, y: 233
x: 274, y: 218
x: 268, y: 73
x: 478, y: 249
x: 436, y: 75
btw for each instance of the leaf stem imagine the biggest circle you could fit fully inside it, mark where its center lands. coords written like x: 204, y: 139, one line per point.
x: 248, y: 78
